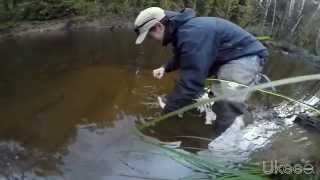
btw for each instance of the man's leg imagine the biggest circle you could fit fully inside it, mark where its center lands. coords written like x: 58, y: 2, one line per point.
x: 247, y: 71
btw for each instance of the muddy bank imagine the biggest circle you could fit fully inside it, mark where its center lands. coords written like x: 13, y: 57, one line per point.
x: 26, y: 28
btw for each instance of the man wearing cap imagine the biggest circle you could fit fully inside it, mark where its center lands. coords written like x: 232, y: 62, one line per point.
x: 202, y: 47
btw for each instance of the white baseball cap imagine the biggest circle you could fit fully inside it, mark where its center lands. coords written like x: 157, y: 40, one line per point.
x: 146, y: 20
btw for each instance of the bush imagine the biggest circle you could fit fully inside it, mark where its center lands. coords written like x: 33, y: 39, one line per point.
x: 40, y: 9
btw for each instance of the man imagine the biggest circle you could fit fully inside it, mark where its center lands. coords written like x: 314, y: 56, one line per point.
x: 202, y: 47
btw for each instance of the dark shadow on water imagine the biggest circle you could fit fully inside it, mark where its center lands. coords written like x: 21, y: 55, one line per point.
x: 188, y: 130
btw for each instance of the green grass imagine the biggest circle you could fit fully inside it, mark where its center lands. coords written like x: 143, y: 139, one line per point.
x: 208, y: 169
x: 203, y: 168
x: 259, y: 88
x: 273, y: 94
x: 263, y: 38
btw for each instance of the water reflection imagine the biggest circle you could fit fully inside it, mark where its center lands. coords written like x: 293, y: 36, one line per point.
x: 55, y: 85
x: 69, y: 99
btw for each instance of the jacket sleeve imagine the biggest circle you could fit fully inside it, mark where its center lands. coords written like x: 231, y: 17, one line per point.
x: 173, y: 64
x: 196, y: 57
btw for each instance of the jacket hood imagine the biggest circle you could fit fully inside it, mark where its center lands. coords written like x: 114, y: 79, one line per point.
x: 176, y: 19
x: 181, y: 17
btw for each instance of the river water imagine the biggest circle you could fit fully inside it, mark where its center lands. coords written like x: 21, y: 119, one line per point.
x: 69, y: 100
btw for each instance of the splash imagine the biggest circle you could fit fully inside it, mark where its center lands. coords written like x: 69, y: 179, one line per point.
x: 206, y: 109
x: 239, y: 142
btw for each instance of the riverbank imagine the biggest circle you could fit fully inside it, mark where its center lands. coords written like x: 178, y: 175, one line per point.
x: 113, y: 23
x: 32, y: 27
x: 293, y: 51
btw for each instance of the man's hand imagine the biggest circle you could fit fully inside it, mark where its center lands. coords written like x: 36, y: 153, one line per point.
x: 161, y: 103
x: 158, y: 73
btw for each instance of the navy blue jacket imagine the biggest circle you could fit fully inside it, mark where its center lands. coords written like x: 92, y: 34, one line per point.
x: 200, y: 46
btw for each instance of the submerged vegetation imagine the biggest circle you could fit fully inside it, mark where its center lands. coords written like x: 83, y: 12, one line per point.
x: 203, y: 168
x: 259, y: 88
x: 206, y: 168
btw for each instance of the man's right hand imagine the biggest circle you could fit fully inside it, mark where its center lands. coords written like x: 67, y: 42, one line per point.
x: 159, y: 73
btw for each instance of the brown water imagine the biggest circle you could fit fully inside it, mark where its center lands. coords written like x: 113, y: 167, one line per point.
x: 69, y: 101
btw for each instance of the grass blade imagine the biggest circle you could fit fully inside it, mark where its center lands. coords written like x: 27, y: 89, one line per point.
x: 276, y: 83
x: 271, y: 93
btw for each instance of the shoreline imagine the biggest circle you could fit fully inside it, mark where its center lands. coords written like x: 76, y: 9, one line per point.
x: 113, y: 23
x: 70, y: 23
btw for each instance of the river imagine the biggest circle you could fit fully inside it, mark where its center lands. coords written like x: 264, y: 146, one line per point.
x: 69, y: 101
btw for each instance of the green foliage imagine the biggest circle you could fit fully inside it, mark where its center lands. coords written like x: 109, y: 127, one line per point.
x: 263, y: 38
x: 204, y: 168
x: 51, y: 9
x: 19, y: 10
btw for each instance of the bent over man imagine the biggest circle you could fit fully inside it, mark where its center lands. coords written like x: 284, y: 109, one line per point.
x: 202, y: 47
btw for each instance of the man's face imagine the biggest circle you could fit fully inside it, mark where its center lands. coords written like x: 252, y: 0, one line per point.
x: 157, y: 32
